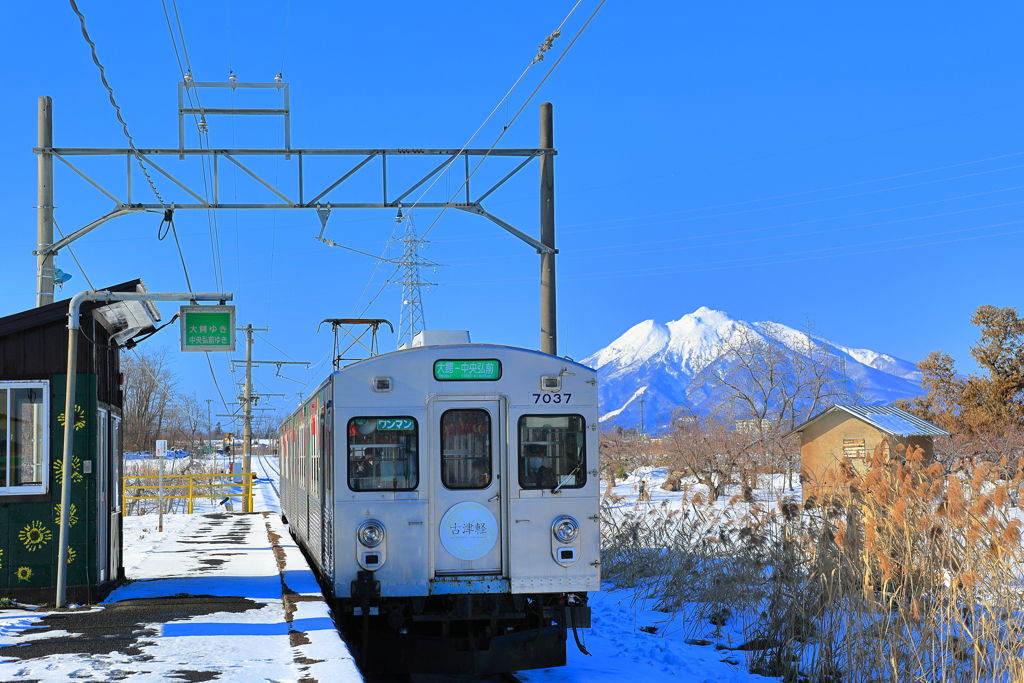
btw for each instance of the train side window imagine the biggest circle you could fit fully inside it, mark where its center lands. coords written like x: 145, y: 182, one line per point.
x: 466, y: 449
x: 383, y: 454
x: 552, y: 451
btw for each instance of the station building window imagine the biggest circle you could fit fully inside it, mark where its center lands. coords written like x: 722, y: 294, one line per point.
x: 466, y: 449
x: 552, y: 451
x: 24, y: 442
x: 383, y: 453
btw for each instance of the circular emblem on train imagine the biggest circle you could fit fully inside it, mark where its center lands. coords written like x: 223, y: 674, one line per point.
x: 468, y: 530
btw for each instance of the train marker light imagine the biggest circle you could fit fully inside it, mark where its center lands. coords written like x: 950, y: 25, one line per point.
x: 565, y: 529
x: 370, y: 533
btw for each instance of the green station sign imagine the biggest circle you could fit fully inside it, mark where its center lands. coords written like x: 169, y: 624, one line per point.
x: 207, y: 328
x: 485, y: 369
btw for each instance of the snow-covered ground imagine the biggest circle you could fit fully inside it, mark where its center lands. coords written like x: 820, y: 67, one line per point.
x: 629, y: 640
x: 227, y: 560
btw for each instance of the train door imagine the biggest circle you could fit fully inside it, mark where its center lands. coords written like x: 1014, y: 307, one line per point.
x: 115, y: 497
x: 102, y: 495
x: 467, y: 453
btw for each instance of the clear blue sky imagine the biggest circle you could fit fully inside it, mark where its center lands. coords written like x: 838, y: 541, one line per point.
x: 859, y: 165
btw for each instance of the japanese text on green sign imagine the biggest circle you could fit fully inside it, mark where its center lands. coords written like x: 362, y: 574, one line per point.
x: 467, y: 370
x: 207, y: 328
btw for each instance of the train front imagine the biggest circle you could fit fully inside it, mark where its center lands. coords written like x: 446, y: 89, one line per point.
x: 465, y: 518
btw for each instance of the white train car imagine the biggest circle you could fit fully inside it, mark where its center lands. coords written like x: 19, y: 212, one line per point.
x: 448, y: 496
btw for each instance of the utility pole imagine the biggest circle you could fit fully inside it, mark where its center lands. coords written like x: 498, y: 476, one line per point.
x: 548, y: 318
x: 209, y: 428
x: 247, y: 407
x: 44, y: 204
x: 246, y: 397
x: 641, y: 400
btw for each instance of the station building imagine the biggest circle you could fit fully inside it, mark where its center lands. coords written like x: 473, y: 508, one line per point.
x: 33, y: 374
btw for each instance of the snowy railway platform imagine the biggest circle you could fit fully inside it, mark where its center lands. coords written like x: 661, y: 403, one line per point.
x: 225, y: 597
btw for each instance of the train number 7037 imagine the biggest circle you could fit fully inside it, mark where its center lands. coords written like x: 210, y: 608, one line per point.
x: 551, y: 398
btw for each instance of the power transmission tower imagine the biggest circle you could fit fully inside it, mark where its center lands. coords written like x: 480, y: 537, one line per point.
x: 412, y: 320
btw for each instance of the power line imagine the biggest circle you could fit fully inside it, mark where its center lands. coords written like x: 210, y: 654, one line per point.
x: 771, y: 227
x: 523, y: 107
x: 542, y: 48
x: 117, y: 109
x: 70, y: 251
x: 805, y: 192
x: 692, y: 268
x: 546, y: 45
x: 217, y: 384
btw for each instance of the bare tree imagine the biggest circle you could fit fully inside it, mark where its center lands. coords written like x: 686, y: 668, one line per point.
x: 769, y: 379
x: 149, y: 386
x: 710, y: 450
x: 621, y: 451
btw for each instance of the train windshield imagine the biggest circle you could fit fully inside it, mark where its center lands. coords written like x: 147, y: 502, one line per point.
x: 552, y: 451
x: 383, y: 453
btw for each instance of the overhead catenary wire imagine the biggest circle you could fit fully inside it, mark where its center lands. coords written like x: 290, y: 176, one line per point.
x: 113, y: 102
x: 694, y: 267
x: 70, y: 251
x: 619, y: 247
x: 200, y: 118
x: 545, y: 46
x: 517, y: 114
x: 768, y: 208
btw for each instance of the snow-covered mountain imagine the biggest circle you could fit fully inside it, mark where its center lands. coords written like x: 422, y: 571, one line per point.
x: 657, y: 361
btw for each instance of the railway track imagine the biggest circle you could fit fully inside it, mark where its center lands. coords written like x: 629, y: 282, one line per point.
x: 267, y: 469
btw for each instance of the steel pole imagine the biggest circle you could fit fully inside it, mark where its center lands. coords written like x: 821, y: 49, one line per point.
x: 69, y: 433
x: 44, y: 204
x: 548, y: 317
x: 247, y: 430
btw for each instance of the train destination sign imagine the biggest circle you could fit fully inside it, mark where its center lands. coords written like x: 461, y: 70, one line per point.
x: 207, y: 328
x: 484, y: 369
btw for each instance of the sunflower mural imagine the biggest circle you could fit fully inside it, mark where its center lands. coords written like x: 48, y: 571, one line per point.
x: 79, y: 418
x: 24, y: 573
x: 76, y: 469
x: 1, y: 558
x: 72, y: 514
x: 35, y: 535
x: 71, y: 554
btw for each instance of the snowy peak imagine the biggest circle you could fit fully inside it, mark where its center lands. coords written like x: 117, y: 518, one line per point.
x: 659, y: 360
x: 639, y: 344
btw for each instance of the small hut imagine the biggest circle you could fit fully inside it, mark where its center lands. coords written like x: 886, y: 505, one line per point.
x: 33, y: 376
x: 849, y: 434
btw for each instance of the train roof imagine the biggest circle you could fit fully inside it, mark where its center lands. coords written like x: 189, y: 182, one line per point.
x: 441, y: 348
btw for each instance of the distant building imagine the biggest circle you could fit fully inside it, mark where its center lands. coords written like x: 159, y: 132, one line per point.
x: 850, y: 434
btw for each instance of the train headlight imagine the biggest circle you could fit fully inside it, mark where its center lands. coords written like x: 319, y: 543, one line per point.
x: 370, y: 533
x: 565, y: 529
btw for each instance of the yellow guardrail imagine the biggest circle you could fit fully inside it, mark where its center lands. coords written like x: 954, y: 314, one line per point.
x: 245, y: 483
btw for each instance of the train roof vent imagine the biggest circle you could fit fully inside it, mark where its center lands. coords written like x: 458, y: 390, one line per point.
x: 440, y: 337
x: 382, y: 384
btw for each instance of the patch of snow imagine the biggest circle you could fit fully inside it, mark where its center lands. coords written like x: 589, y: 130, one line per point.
x: 894, y: 424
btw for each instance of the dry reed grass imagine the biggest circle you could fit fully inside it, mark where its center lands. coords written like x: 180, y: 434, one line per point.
x: 903, y: 574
